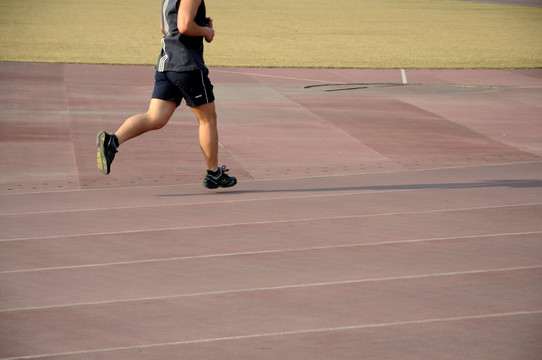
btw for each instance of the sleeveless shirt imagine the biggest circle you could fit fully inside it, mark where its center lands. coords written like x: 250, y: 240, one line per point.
x: 180, y: 52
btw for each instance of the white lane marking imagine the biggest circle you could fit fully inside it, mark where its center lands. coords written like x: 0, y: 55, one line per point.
x: 261, y: 252
x: 288, y: 333
x: 403, y: 76
x: 387, y: 172
x: 267, y: 222
x: 274, y: 288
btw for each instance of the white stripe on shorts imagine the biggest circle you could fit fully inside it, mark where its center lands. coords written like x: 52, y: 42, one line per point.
x: 204, y: 88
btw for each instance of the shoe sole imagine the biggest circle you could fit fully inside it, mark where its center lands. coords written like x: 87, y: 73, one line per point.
x: 211, y: 185
x: 100, y: 155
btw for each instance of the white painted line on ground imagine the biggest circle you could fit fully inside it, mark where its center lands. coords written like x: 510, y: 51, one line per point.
x: 327, y: 192
x: 285, y: 221
x: 271, y: 76
x: 334, y: 193
x: 273, y: 288
x: 288, y: 333
x: 331, y: 192
x: 387, y: 172
x: 261, y: 252
x: 403, y: 76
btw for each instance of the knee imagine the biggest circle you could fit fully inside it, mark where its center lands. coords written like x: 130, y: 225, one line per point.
x: 208, y: 119
x: 156, y: 122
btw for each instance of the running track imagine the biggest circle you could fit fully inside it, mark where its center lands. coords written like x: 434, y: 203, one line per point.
x: 372, y: 219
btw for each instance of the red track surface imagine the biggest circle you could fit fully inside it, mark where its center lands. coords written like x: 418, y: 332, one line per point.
x: 372, y: 219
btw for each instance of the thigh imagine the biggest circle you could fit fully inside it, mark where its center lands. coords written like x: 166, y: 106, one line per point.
x: 161, y: 110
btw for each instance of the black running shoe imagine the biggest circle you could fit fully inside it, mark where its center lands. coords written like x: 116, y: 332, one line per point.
x: 107, y: 148
x: 219, y: 180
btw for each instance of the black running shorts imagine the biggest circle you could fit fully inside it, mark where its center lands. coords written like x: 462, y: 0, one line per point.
x: 192, y: 86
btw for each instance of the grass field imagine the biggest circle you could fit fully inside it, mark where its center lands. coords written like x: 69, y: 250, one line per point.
x: 282, y: 33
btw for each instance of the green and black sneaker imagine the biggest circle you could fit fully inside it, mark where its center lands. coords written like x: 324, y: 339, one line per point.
x: 214, y: 180
x: 107, y: 148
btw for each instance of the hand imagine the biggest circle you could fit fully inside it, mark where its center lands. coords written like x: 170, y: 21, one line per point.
x: 210, y: 34
x: 209, y: 22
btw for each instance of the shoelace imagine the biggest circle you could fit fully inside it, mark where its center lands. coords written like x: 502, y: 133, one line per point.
x: 221, y: 171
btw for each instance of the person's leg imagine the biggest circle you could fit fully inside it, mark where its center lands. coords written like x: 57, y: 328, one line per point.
x: 208, y: 138
x: 208, y: 133
x: 159, y: 113
x: 157, y: 116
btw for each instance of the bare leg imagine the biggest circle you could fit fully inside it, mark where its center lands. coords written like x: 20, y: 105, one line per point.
x: 208, y: 133
x: 156, y: 117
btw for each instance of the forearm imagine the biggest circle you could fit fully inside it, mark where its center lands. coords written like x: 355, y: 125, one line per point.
x: 190, y: 28
x: 186, y: 23
x: 187, y: 26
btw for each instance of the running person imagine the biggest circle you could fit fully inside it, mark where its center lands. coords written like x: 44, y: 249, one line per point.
x: 180, y: 74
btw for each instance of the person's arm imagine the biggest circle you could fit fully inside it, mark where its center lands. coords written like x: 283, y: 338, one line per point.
x: 186, y: 24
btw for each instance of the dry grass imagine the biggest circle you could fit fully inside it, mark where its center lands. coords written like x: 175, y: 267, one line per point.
x: 283, y: 33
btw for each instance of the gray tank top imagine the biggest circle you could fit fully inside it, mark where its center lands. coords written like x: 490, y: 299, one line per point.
x: 180, y: 52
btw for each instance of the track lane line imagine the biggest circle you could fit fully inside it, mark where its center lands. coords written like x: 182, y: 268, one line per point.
x: 288, y: 333
x: 274, y: 288
x: 261, y: 252
x: 284, y: 221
